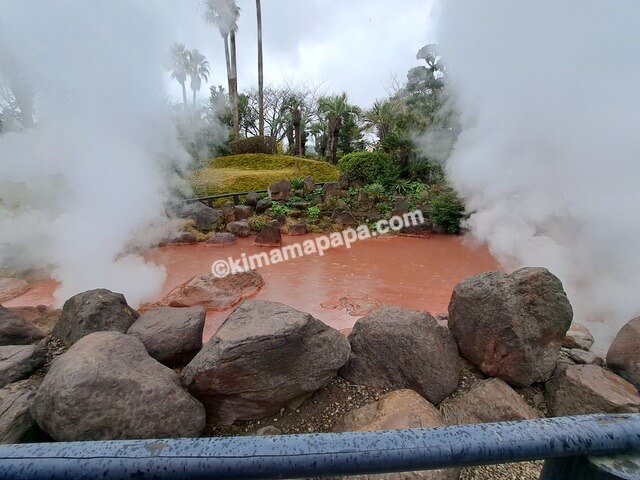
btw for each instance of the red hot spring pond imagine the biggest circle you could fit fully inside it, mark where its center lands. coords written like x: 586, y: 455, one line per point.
x: 337, y: 288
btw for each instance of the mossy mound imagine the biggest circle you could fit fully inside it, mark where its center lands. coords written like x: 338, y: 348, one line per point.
x: 255, y: 171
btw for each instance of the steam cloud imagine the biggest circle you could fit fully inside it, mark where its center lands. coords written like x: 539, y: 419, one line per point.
x: 549, y: 156
x: 94, y: 169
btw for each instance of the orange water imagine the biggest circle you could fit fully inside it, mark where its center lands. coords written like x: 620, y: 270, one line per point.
x: 417, y: 273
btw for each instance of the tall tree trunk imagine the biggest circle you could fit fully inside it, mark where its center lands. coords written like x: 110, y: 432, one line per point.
x: 227, y: 58
x: 234, y: 88
x: 303, y: 147
x: 335, y: 122
x: 291, y: 138
x: 184, y: 97
x: 297, y: 133
x: 260, y: 72
x: 194, y: 101
x: 323, y: 145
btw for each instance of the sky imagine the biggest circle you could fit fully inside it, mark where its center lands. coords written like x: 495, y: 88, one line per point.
x: 356, y: 46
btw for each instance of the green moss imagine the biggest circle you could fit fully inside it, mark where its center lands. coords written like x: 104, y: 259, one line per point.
x: 251, y: 172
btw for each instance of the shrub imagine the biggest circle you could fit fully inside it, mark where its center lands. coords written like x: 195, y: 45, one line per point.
x: 252, y: 172
x: 429, y: 172
x: 254, y: 145
x: 278, y: 209
x: 446, y: 209
x: 297, y: 183
x: 370, y: 167
x: 258, y: 222
x: 313, y: 212
x: 376, y: 190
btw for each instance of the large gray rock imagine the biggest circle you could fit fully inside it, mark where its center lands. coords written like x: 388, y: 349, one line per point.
x: 263, y: 357
x: 108, y: 387
x: 263, y: 205
x: 11, y: 288
x: 578, y: 336
x: 240, y: 228
x: 623, y: 356
x: 19, y: 361
x: 270, y: 236
x: 401, y: 409
x: 487, y: 401
x: 94, y: 311
x: 205, y: 218
x: 511, y: 325
x: 15, y: 402
x: 585, y: 389
x: 172, y: 336
x: 280, y: 191
x: 14, y: 330
x: 393, y: 347
x: 242, y: 212
x: 222, y: 239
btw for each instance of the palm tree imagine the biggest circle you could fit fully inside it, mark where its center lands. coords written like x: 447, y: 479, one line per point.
x: 179, y: 68
x: 335, y: 109
x: 383, y: 116
x: 224, y: 14
x: 198, y: 71
x: 260, y: 72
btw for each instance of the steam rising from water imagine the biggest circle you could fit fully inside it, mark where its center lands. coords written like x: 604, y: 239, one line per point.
x: 550, y: 156
x: 94, y: 168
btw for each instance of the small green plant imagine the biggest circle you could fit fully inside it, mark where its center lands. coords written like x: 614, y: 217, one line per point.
x: 384, y: 207
x: 278, y: 209
x: 318, y: 191
x: 376, y: 190
x: 295, y: 199
x: 313, y: 212
x: 297, y: 183
x: 446, y: 209
x: 402, y: 187
x: 258, y: 222
x: 262, y: 195
x: 417, y: 187
x: 354, y: 191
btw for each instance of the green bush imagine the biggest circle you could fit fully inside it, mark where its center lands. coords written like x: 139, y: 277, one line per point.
x: 313, y: 212
x: 254, y: 145
x: 428, y: 172
x: 376, y: 190
x: 445, y: 208
x: 297, y: 183
x: 279, y: 209
x: 258, y: 222
x: 370, y: 167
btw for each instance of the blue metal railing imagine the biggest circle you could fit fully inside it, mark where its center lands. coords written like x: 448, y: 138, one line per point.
x: 564, y: 439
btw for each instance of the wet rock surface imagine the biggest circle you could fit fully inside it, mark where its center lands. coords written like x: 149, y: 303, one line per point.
x: 15, y: 330
x: 393, y: 347
x: 173, y: 336
x: 106, y: 386
x: 215, y: 293
x: 270, y: 236
x: 511, y: 325
x: 240, y: 228
x: 19, y: 361
x: 94, y: 311
x: 205, y: 218
x: 11, y: 288
x: 222, y: 239
x: 15, y: 419
x: 264, y: 356
x: 623, y: 356
x: 585, y: 389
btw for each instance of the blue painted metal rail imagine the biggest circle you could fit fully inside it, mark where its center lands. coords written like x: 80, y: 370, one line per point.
x: 316, y: 455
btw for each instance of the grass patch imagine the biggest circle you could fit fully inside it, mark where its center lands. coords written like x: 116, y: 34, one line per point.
x: 255, y: 171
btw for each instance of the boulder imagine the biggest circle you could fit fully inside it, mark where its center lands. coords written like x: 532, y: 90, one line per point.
x: 297, y: 229
x: 585, y: 389
x: 229, y: 212
x: 180, y: 238
x: 251, y: 199
x: 14, y: 330
x: 263, y: 205
x: 400, y: 409
x: 15, y: 401
x: 240, y: 228
x: 107, y: 387
x: 94, y: 311
x: 172, y: 336
x: 344, y: 218
x: 332, y: 189
x: 263, y: 357
x: 222, y: 239
x: 393, y: 347
x: 215, y: 293
x: 205, y: 218
x: 280, y: 191
x: 40, y: 317
x: 242, y: 212
x: 623, y: 356
x: 270, y: 236
x: 511, y: 325
x: 19, y: 361
x: 487, y: 401
x: 578, y: 336
x: 11, y: 288
x: 585, y: 358
x: 343, y: 181
x: 309, y: 185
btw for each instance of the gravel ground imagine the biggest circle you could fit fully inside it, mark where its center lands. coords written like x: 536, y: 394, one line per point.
x: 508, y: 471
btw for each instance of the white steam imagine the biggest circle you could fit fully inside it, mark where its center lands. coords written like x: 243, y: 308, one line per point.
x: 95, y: 167
x: 549, y: 158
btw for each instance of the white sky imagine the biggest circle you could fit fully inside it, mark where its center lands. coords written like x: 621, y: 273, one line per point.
x: 355, y: 46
